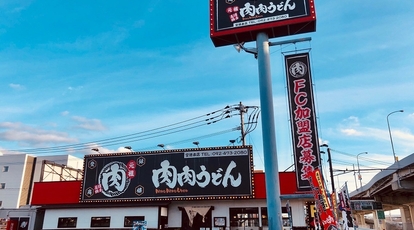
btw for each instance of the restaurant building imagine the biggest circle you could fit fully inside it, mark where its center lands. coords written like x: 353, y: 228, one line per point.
x: 202, y: 188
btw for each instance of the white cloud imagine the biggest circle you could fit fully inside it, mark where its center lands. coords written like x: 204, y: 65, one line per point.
x: 16, y: 86
x: 411, y: 117
x: 88, y: 124
x: 100, y: 41
x: 351, y: 132
x: 124, y: 150
x: 102, y: 150
x: 403, y: 137
x: 138, y: 24
x: 32, y: 136
x: 352, y: 120
x: 72, y: 89
x: 321, y: 141
x: 75, y: 88
x: 64, y: 113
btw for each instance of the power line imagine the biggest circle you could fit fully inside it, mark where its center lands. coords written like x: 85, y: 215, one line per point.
x: 193, y: 123
x: 365, y: 158
x: 196, y: 138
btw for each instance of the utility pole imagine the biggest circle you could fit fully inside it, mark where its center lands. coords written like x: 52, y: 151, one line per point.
x: 242, y: 111
x: 331, y: 170
x: 330, y: 167
x: 253, y: 116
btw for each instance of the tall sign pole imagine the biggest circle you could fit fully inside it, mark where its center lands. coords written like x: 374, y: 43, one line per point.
x: 236, y: 22
x: 274, y: 207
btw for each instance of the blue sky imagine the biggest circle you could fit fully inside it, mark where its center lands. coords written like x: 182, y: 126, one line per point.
x: 76, y: 72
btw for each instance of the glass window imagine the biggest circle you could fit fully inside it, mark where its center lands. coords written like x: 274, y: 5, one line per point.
x: 244, y: 217
x: 2, y: 185
x: 285, y: 217
x: 101, y: 221
x: 265, y: 221
x: 67, y: 222
x: 129, y: 220
x: 5, y: 168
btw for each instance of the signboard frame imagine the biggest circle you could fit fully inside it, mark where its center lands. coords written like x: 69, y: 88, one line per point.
x: 237, y: 21
x: 181, y: 174
x: 302, y: 117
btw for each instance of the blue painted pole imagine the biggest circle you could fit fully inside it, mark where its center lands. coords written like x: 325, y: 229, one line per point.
x: 274, y: 208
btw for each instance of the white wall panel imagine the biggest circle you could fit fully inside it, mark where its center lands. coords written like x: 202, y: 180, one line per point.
x: 117, y: 216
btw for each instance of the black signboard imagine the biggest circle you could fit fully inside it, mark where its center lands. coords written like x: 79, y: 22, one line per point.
x: 236, y: 21
x: 366, y: 205
x: 202, y: 173
x: 302, y: 117
x: 241, y: 13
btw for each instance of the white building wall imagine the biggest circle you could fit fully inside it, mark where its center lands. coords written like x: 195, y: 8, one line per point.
x: 221, y: 209
x: 13, y: 179
x: 117, y: 215
x: 298, y: 212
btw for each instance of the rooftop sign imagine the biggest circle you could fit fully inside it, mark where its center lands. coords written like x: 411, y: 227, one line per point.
x: 236, y: 21
x: 201, y: 173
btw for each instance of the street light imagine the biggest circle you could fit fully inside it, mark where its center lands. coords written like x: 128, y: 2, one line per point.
x: 129, y: 148
x: 389, y: 131
x: 96, y: 150
x: 196, y: 143
x: 359, y: 171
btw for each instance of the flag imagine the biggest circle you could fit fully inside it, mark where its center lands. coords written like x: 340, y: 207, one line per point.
x: 323, y: 206
x: 345, y: 208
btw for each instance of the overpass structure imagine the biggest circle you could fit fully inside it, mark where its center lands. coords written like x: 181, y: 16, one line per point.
x: 394, y: 188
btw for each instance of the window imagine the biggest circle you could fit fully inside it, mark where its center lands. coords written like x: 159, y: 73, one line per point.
x: 101, y: 221
x: 244, y: 217
x: 285, y: 217
x: 2, y: 185
x: 5, y: 168
x: 129, y: 220
x: 67, y: 222
x: 265, y: 220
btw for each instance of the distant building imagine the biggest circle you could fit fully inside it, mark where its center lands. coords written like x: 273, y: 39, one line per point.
x: 18, y: 172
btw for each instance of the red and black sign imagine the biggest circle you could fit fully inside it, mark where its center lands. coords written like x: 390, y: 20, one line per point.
x: 18, y: 223
x: 236, y: 21
x: 323, y: 206
x: 302, y: 117
x: 202, y: 173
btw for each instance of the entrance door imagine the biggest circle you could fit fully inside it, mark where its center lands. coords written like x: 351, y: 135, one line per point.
x: 192, y: 218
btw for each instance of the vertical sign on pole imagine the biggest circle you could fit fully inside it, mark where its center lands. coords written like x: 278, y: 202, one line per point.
x: 302, y: 117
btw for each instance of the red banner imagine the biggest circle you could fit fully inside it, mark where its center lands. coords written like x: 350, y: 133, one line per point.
x: 12, y: 224
x: 323, y: 206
